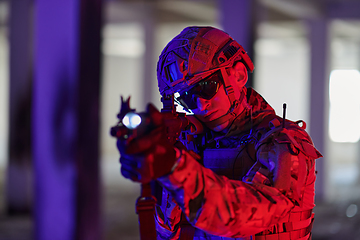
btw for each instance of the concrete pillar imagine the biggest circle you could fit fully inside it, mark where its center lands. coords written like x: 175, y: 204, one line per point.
x: 237, y: 19
x: 65, y: 119
x: 88, y: 98
x: 319, y: 95
x: 19, y: 168
x: 149, y: 22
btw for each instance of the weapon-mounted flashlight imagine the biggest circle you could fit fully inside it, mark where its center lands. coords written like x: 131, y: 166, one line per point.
x: 131, y: 120
x: 132, y: 124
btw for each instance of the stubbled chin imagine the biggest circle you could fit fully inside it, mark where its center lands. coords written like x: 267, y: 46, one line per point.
x: 220, y: 127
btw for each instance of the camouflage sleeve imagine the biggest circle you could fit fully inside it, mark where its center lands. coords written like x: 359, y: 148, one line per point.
x: 233, y: 208
x: 168, y: 214
x: 224, y: 207
x: 290, y: 156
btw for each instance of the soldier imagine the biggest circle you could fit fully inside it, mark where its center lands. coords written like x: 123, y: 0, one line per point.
x: 246, y: 173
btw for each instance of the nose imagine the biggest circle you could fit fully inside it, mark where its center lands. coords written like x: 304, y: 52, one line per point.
x: 202, y: 104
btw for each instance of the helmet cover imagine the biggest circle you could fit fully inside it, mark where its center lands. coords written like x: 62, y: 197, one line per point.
x: 193, y: 55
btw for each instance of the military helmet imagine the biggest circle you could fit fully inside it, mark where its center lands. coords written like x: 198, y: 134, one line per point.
x: 194, y: 54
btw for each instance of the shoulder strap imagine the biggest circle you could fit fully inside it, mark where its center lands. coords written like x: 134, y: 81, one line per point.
x: 187, y: 231
x: 145, y: 208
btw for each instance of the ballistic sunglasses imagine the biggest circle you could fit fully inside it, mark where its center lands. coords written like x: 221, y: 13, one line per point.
x: 205, y: 89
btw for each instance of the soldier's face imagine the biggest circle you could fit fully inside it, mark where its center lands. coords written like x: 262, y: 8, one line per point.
x: 208, y: 99
x: 212, y: 109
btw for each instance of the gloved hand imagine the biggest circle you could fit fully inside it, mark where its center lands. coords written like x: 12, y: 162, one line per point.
x: 150, y: 156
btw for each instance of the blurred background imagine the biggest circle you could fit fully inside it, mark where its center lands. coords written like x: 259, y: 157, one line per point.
x: 65, y: 64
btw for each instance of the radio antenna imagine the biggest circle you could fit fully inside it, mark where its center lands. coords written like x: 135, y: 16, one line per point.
x: 284, y: 115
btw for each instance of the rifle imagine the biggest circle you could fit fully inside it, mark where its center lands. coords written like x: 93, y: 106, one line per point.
x: 131, y: 125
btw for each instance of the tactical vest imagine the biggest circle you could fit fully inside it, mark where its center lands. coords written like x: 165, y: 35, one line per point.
x: 222, y: 161
x: 232, y: 163
x: 236, y: 163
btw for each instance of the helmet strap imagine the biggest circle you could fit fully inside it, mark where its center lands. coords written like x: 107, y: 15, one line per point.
x: 233, y: 112
x: 228, y: 86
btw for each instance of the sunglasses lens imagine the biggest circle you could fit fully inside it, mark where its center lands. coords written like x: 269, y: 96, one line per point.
x: 205, y: 89
x: 209, y: 89
x: 188, y: 100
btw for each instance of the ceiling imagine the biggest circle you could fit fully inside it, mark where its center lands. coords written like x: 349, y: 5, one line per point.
x: 274, y: 13
x: 273, y: 16
x: 205, y: 10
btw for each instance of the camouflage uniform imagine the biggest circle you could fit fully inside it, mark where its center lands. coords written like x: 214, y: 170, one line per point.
x: 256, y: 182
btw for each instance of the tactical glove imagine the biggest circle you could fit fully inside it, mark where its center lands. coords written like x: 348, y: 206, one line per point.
x: 149, y: 156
